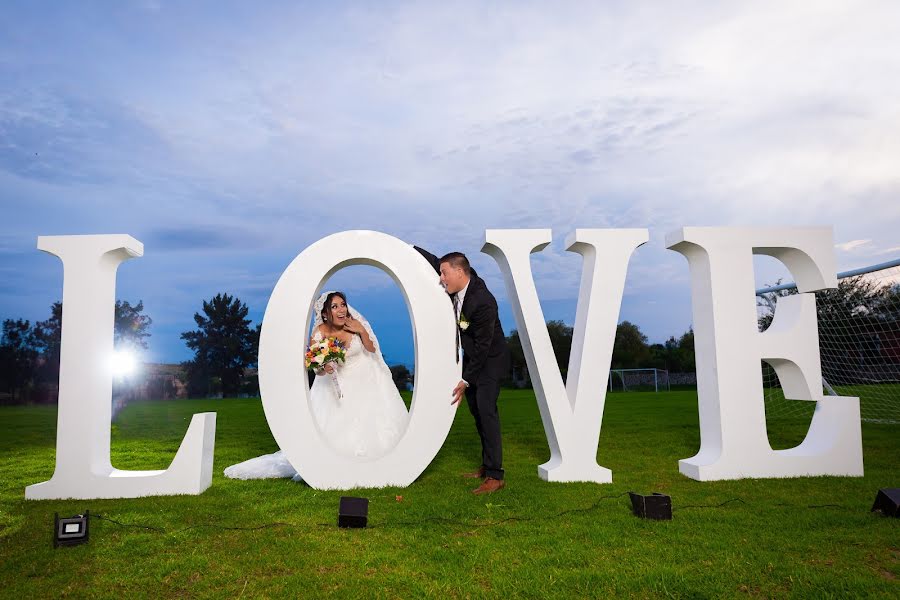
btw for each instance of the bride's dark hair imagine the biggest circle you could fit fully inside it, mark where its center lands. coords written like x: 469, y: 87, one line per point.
x: 326, y: 308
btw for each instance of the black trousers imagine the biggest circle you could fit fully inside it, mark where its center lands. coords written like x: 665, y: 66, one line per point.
x: 482, y: 400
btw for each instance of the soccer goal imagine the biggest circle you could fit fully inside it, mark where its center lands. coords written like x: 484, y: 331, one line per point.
x: 638, y: 380
x: 859, y: 342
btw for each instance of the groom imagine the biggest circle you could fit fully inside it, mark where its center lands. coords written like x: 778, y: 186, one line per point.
x: 485, y: 359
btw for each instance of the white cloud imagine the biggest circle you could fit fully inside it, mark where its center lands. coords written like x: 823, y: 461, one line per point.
x: 852, y: 245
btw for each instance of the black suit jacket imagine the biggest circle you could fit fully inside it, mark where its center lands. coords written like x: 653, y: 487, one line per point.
x: 484, y: 345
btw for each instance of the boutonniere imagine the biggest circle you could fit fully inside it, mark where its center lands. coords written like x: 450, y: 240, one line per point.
x: 463, y: 322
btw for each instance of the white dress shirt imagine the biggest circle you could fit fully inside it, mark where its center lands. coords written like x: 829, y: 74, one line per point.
x: 460, y: 298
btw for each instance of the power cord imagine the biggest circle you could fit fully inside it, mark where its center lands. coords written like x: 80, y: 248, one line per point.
x: 197, y: 526
x: 674, y: 508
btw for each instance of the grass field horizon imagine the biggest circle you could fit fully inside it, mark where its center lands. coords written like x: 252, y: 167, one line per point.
x: 806, y: 537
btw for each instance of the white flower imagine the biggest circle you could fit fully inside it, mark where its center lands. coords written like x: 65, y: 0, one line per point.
x: 319, y: 359
x: 463, y: 325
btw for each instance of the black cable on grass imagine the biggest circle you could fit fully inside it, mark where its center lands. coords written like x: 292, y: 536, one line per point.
x: 197, y: 526
x: 674, y: 508
x: 107, y: 519
x: 815, y: 506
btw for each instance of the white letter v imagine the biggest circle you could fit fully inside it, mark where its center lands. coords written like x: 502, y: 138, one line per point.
x: 572, y: 414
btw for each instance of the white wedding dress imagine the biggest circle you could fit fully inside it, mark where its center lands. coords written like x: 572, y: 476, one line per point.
x: 365, y: 422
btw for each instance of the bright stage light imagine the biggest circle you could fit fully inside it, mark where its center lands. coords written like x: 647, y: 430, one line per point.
x: 123, y: 363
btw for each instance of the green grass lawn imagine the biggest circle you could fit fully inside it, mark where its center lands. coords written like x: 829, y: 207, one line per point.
x: 809, y: 537
x: 877, y: 402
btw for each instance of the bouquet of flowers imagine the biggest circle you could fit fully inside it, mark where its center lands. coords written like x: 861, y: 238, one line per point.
x: 325, y: 351
x: 321, y: 352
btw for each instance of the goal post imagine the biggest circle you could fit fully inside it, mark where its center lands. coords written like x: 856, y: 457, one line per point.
x: 859, y: 342
x: 633, y: 380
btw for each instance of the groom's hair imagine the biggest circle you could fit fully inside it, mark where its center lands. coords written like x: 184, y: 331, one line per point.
x: 457, y: 260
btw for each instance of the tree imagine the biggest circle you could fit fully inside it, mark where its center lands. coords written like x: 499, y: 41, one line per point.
x: 18, y: 357
x: 48, y: 335
x: 663, y: 356
x: 630, y: 348
x: 675, y: 355
x: 518, y: 367
x: 401, y: 376
x: 855, y: 321
x: 686, y: 352
x: 854, y: 299
x: 130, y: 325
x: 561, y: 340
x: 130, y: 329
x: 37, y: 349
x: 198, y: 378
x: 255, y: 343
x: 223, y: 346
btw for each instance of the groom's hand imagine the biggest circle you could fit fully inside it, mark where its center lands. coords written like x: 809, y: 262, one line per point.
x: 458, y: 392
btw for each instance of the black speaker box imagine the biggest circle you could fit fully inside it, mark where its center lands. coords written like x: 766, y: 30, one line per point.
x: 887, y: 502
x: 353, y: 512
x: 656, y: 506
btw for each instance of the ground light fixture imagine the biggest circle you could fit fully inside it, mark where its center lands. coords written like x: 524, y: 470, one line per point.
x: 71, y: 531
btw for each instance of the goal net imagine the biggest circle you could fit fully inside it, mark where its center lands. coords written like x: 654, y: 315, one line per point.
x: 638, y: 380
x: 859, y: 343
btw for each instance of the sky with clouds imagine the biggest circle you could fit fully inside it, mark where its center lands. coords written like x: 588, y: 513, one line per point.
x: 228, y: 136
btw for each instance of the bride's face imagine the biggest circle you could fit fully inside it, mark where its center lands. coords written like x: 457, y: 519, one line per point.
x: 337, y: 311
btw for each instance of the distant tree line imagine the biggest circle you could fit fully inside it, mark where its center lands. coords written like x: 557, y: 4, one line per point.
x: 630, y: 351
x: 29, y: 354
x: 857, y: 321
x: 225, y: 346
x: 226, y: 351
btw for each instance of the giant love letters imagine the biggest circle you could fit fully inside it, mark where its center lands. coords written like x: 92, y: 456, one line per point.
x: 729, y: 348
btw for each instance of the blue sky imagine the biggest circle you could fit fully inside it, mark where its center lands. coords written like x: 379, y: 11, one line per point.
x: 228, y: 136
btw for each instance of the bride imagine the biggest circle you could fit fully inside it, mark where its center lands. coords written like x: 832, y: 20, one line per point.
x: 367, y: 417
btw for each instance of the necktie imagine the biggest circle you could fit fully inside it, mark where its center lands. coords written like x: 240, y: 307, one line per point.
x: 456, y: 317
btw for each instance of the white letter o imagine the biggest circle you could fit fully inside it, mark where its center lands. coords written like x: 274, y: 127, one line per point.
x: 282, y: 373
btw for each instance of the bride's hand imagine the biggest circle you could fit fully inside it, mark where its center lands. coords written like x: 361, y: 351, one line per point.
x: 353, y: 326
x: 328, y: 368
